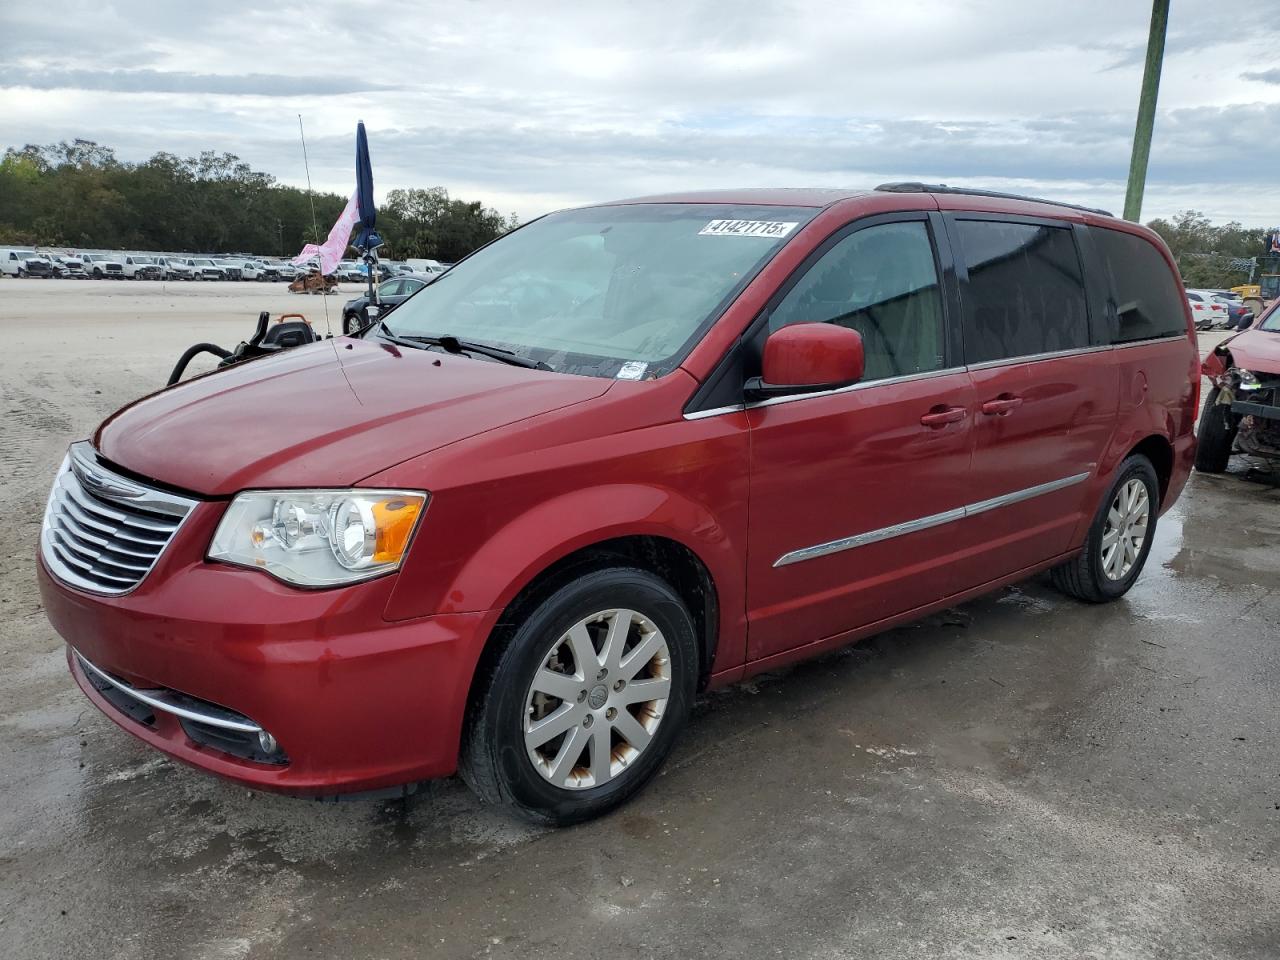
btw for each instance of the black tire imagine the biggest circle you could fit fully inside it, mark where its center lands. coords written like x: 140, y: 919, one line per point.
x: 495, y: 762
x: 1084, y: 577
x: 22, y: 273
x: 351, y: 322
x: 1216, y: 435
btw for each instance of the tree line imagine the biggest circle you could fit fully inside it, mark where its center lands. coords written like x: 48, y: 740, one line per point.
x: 1216, y: 257
x: 79, y: 194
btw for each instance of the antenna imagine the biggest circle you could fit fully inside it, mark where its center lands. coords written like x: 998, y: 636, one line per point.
x: 315, y: 225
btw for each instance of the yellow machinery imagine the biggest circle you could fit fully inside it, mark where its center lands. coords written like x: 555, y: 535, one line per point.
x: 1257, y: 296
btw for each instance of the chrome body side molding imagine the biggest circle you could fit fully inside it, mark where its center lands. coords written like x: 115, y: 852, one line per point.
x: 924, y: 523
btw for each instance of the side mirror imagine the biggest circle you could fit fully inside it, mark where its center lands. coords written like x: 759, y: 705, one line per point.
x: 808, y: 358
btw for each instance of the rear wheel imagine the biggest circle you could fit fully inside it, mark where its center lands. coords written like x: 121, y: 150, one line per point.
x: 584, y: 703
x: 1216, y: 435
x: 1119, y: 538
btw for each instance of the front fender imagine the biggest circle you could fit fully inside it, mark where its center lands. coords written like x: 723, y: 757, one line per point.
x: 1218, y: 361
x: 514, y: 554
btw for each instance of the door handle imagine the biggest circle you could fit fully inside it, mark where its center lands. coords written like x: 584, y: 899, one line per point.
x: 940, y: 416
x: 1001, y: 405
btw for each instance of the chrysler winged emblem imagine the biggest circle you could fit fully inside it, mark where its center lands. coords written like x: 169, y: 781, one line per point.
x: 107, y: 488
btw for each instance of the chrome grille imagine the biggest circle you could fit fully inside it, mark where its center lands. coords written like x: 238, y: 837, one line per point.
x: 103, y: 532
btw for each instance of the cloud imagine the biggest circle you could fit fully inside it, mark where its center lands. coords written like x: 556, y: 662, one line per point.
x: 166, y: 81
x: 1263, y: 76
x: 580, y: 101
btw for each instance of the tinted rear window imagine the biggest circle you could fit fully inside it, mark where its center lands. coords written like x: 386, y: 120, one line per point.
x: 1144, y: 301
x: 1025, y: 293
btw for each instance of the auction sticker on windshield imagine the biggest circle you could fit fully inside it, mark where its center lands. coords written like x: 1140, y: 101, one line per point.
x: 748, y: 228
x: 632, y: 370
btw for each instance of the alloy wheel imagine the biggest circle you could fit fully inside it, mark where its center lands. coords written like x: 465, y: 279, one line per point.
x: 1126, y: 529
x: 597, y: 699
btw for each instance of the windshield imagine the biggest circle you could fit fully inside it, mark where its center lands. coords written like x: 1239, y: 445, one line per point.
x: 1271, y: 318
x: 605, y: 291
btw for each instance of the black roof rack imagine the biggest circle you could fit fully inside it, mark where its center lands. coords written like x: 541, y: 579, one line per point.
x: 911, y: 186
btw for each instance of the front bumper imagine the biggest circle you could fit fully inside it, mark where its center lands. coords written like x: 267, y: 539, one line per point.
x: 1247, y: 408
x: 355, y: 703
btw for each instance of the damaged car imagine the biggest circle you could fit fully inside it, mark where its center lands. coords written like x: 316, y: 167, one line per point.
x: 1242, y: 410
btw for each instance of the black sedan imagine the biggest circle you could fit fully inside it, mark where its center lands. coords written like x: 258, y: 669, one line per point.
x: 391, y: 293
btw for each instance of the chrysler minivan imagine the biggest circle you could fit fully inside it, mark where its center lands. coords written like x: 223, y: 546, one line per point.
x: 620, y: 455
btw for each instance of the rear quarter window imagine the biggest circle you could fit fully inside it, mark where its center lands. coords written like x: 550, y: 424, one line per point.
x: 1144, y: 303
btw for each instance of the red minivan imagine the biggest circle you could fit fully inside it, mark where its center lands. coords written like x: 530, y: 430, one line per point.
x: 622, y: 454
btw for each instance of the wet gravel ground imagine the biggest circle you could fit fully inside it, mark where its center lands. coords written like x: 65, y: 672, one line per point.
x: 1023, y: 776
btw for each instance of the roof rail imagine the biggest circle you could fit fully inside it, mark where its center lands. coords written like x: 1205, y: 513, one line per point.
x: 911, y: 186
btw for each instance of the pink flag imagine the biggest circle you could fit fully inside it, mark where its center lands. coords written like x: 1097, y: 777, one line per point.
x: 331, y: 251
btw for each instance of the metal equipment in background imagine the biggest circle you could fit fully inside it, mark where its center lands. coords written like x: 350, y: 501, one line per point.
x: 289, y: 330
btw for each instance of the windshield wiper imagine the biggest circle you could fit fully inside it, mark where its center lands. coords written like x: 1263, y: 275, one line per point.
x: 388, y: 334
x: 451, y: 344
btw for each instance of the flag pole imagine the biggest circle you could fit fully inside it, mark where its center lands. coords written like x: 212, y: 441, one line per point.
x: 368, y: 240
x: 315, y: 227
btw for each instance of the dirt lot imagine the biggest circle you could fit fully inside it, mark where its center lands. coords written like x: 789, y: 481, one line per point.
x: 1023, y: 776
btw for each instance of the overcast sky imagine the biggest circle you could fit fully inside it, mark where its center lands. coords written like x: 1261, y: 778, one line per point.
x: 531, y: 107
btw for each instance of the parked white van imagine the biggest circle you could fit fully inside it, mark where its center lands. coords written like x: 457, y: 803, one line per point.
x: 23, y: 262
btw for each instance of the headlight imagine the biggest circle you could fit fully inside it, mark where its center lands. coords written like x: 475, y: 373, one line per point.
x: 319, y: 538
x: 1249, y: 380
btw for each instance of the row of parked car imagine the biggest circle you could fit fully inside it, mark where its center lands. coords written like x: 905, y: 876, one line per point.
x: 26, y: 262
x: 19, y: 262
x: 1218, y: 310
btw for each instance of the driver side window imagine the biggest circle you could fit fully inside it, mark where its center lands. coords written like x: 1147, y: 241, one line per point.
x: 882, y: 282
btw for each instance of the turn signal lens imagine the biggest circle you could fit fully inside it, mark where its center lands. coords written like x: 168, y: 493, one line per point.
x: 394, y: 521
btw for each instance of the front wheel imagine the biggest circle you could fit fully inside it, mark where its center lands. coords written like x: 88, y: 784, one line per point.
x: 584, y: 703
x: 1216, y: 435
x: 1119, y: 538
x: 356, y: 320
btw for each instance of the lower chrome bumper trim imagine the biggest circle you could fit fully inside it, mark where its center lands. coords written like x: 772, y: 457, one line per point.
x: 169, y: 701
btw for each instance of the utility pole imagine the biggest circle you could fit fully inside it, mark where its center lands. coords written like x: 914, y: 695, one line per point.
x: 1146, y: 111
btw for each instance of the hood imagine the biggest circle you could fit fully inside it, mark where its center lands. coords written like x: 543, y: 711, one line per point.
x: 327, y: 414
x: 1256, y: 350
